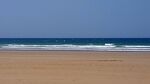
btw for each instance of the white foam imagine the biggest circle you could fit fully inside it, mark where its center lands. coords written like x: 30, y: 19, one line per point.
x: 136, y: 46
x: 105, y: 47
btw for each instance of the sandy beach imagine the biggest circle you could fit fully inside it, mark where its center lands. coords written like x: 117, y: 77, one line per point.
x: 74, y: 67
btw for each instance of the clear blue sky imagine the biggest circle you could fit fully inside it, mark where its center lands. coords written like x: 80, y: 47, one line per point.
x: 74, y: 18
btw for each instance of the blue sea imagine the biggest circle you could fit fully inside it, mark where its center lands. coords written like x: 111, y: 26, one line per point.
x: 81, y: 44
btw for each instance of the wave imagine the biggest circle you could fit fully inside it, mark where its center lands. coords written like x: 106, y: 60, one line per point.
x: 105, y: 47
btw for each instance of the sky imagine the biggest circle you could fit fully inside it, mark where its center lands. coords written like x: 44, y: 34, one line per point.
x: 74, y: 19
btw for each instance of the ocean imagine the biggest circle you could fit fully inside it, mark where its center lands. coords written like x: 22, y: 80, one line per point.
x: 81, y: 44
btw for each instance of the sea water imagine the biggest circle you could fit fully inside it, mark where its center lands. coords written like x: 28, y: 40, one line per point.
x: 82, y: 44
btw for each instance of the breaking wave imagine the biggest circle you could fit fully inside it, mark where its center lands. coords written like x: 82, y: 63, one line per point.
x: 105, y: 47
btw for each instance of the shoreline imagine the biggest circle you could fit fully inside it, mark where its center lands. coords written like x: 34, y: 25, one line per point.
x: 71, y: 50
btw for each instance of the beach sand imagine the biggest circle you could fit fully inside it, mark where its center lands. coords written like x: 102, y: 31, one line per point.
x: 74, y: 67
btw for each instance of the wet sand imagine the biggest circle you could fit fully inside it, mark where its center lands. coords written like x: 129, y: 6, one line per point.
x: 74, y: 67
